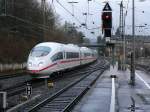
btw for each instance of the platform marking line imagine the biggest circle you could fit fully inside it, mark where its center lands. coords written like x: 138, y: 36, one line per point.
x: 146, y: 84
x: 113, y: 96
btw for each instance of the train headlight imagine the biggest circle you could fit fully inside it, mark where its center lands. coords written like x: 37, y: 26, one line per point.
x: 29, y: 64
x: 40, y: 64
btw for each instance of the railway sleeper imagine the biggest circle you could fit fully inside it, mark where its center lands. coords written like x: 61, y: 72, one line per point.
x: 53, y: 106
x: 83, y: 85
x: 71, y: 93
x: 62, y: 99
x: 57, y: 105
x: 76, y: 89
x: 49, y: 110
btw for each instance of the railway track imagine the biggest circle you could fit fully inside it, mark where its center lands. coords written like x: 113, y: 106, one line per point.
x: 84, y: 71
x: 83, y: 83
x: 63, y: 100
x: 21, y: 87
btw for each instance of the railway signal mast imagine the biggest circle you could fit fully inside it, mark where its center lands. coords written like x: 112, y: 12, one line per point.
x: 107, y: 22
x: 107, y: 26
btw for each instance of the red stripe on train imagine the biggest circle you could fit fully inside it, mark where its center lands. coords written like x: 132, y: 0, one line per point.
x: 35, y: 71
x: 64, y: 61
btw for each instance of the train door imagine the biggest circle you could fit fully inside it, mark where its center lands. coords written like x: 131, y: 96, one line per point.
x: 65, y: 59
x: 57, y: 59
x: 61, y: 62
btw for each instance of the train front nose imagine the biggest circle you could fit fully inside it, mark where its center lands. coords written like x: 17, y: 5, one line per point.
x: 38, y: 59
x: 35, y: 65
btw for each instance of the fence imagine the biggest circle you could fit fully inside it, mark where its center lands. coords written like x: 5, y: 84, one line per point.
x: 14, y: 66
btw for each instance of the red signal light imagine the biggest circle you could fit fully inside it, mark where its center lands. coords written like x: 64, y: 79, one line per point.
x: 107, y: 17
x: 107, y: 20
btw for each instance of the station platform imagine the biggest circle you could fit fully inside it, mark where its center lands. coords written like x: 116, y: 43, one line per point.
x: 127, y: 98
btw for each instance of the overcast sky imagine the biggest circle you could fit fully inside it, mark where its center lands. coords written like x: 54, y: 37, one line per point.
x: 142, y: 15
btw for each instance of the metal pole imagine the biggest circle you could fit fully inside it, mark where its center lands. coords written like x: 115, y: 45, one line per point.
x: 124, y: 44
x: 121, y: 35
x: 133, y: 34
x: 46, y: 83
x: 120, y: 22
x: 133, y: 105
x: 133, y: 40
x: 3, y: 102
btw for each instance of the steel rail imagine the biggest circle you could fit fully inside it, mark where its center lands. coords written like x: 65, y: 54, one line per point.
x: 66, y: 89
x: 99, y: 65
x: 22, y: 86
x: 69, y: 106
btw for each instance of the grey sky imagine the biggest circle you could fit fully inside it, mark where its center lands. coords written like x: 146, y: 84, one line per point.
x: 95, y: 9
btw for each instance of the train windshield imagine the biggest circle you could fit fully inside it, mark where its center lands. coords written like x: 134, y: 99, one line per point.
x: 40, y: 51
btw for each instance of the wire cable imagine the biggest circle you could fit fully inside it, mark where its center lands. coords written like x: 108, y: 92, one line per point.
x: 68, y: 12
x: 75, y: 16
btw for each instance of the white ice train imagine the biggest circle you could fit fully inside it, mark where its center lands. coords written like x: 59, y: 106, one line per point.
x: 50, y: 57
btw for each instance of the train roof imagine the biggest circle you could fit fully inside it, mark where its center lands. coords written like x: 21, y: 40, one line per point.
x: 48, y: 44
x: 55, y: 45
x: 68, y: 47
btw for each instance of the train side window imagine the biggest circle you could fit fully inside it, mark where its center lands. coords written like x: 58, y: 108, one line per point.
x: 87, y: 54
x: 57, y: 56
x: 72, y: 55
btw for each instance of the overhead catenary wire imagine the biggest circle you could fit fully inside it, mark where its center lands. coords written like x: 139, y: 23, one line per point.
x: 68, y: 11
x: 41, y: 26
x: 78, y: 20
x: 93, y: 22
x: 138, y: 27
x: 53, y: 6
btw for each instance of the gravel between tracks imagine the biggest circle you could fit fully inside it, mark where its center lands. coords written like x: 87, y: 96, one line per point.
x: 6, y: 83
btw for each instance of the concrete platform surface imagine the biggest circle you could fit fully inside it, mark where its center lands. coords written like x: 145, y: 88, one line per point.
x: 98, y: 98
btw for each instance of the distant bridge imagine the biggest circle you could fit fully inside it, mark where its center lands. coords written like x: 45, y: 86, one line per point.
x: 92, y: 45
x: 109, y: 43
x: 97, y: 45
